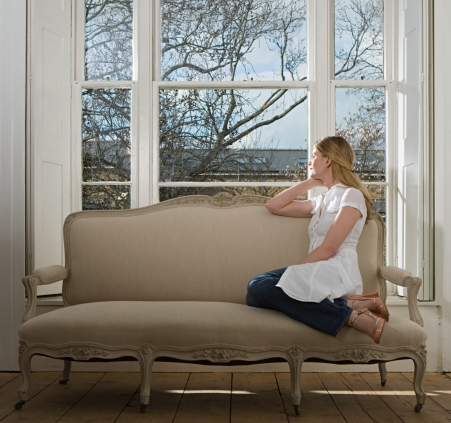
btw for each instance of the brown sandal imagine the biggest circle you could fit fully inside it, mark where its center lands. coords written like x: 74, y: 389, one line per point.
x: 378, y: 325
x: 381, y: 307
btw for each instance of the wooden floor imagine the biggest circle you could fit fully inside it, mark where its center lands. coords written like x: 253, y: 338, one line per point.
x: 225, y: 397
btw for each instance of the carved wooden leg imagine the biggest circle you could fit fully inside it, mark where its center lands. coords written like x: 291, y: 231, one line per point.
x: 25, y: 369
x: 295, y: 363
x: 66, y: 372
x: 146, y: 373
x: 420, y: 368
x: 383, y: 373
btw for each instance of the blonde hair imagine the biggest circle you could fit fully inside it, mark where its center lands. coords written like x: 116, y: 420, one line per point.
x: 342, y: 155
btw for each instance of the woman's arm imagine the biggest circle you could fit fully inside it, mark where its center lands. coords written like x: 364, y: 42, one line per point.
x: 343, y: 224
x: 285, y: 203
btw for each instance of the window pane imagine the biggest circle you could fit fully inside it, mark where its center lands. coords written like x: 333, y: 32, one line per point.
x: 359, y: 39
x: 106, y: 135
x: 106, y: 197
x: 378, y: 194
x: 235, y: 40
x: 360, y: 118
x: 233, y: 135
x: 108, y: 40
x: 167, y: 193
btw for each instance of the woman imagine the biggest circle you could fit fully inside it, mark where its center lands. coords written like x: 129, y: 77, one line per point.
x: 322, y: 289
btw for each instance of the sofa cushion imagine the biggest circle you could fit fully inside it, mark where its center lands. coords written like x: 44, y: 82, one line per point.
x: 184, y: 324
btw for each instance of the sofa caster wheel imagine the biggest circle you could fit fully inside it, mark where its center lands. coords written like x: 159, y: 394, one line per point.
x: 19, y: 405
x: 143, y: 408
x: 297, y: 410
x: 418, y: 408
x: 383, y: 382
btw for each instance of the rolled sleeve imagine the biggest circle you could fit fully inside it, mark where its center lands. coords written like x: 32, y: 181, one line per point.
x: 354, y: 198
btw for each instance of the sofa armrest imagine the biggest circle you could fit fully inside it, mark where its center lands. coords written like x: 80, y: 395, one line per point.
x: 42, y: 276
x: 404, y: 278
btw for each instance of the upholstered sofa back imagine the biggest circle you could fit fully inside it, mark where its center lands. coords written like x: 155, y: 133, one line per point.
x: 195, y: 248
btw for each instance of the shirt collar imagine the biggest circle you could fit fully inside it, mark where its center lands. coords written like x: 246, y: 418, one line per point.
x: 338, y: 185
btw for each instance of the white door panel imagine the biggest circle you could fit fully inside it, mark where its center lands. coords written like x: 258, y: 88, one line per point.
x: 50, y: 131
x: 410, y: 138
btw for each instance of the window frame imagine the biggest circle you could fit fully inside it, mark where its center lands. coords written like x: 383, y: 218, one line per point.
x: 320, y: 86
x: 78, y: 85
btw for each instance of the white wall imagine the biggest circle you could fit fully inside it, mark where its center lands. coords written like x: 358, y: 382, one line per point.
x: 12, y: 175
x: 442, y: 111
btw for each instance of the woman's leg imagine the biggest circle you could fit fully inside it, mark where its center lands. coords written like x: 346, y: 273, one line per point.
x: 326, y: 316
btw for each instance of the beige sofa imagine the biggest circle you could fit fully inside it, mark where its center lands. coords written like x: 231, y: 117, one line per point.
x: 169, y: 282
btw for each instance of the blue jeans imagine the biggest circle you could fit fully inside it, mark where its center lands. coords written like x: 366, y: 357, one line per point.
x: 326, y: 316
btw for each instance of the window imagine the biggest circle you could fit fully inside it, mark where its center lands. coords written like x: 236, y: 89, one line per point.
x: 195, y: 97
x: 106, y: 105
x: 234, y: 84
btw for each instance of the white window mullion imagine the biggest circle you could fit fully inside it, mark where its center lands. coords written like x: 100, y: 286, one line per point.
x: 77, y: 174
x: 245, y: 85
x: 428, y: 187
x: 390, y: 49
x: 321, y: 71
x: 78, y: 8
x: 390, y: 173
x: 311, y: 52
x: 135, y: 138
x: 154, y: 151
x: 322, y: 62
x: 227, y: 184
x: 142, y: 105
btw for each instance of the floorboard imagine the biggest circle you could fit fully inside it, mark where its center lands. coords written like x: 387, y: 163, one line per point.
x: 105, y: 401
x: 209, y: 393
x: 316, y: 405
x: 9, y: 392
x: 225, y: 398
x: 256, y: 398
x: 165, y: 397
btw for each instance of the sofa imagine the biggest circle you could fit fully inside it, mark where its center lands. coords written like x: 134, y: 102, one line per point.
x: 168, y: 282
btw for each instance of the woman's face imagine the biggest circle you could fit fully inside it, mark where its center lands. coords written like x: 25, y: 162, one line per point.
x: 318, y: 165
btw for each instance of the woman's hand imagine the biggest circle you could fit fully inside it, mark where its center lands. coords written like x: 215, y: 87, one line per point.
x: 285, y: 203
x: 316, y: 182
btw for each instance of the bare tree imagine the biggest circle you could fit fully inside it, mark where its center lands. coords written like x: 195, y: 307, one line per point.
x: 106, y: 146
x: 359, y: 39
x: 204, y: 132
x: 365, y: 130
x: 108, y: 39
x: 207, y: 41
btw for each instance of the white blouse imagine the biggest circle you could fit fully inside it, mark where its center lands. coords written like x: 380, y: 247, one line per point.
x: 340, y: 275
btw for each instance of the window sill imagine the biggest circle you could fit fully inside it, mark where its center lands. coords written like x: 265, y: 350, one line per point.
x: 50, y: 301
x: 394, y: 300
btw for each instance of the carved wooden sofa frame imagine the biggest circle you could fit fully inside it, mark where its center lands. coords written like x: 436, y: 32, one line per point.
x: 158, y: 272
